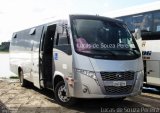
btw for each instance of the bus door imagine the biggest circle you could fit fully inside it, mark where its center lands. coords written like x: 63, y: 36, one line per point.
x: 46, y: 56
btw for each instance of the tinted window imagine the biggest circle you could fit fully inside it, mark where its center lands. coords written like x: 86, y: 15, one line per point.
x: 104, y: 38
x: 156, y: 21
x: 63, y: 41
x: 129, y: 23
x: 63, y: 38
x: 143, y: 22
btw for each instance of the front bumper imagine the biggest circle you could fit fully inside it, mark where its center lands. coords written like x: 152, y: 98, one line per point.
x: 86, y: 87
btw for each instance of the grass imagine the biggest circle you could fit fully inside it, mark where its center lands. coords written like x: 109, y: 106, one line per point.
x: 13, y: 77
x: 4, y: 52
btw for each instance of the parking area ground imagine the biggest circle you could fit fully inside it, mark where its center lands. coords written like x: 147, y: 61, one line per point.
x: 16, y: 99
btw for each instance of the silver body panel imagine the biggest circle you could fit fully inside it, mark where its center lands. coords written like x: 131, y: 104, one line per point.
x: 24, y: 54
x: 65, y: 66
x: 150, y: 51
x: 115, y: 65
x: 97, y: 90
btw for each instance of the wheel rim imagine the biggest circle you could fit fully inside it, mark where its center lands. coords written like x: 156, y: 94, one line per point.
x: 62, y: 94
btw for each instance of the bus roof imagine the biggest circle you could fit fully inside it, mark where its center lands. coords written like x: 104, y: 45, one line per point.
x: 134, y: 10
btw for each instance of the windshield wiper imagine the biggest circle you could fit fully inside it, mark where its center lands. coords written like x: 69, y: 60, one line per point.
x: 104, y: 51
x: 136, y: 53
x: 132, y: 50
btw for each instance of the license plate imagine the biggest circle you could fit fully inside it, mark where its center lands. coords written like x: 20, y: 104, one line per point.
x: 119, y: 83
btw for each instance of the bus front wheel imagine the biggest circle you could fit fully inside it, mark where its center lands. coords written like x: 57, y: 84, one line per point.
x: 60, y: 95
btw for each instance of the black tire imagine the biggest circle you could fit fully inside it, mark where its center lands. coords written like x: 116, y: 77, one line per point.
x: 23, y: 82
x: 61, y: 100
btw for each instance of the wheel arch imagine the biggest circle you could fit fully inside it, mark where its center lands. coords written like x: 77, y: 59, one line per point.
x: 57, y: 78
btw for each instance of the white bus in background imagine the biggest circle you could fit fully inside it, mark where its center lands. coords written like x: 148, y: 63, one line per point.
x: 147, y: 19
x: 82, y: 56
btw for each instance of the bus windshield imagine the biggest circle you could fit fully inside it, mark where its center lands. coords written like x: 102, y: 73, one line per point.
x: 101, y: 38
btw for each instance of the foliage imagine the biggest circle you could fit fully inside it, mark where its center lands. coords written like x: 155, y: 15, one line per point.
x: 4, y: 47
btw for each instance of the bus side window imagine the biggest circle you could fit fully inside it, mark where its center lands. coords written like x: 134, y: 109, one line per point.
x: 63, y: 42
x: 156, y: 22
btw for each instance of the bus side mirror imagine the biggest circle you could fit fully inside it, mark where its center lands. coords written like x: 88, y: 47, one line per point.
x: 137, y: 34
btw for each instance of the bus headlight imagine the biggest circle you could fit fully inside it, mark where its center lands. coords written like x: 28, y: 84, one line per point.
x: 139, y: 81
x: 90, y: 74
x: 140, y: 73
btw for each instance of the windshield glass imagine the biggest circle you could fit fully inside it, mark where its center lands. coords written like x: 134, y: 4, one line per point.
x: 103, y: 39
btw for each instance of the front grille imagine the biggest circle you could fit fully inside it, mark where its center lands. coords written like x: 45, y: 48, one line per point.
x: 108, y: 76
x: 113, y: 90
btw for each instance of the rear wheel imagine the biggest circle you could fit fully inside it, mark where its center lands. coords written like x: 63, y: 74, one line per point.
x: 61, y: 96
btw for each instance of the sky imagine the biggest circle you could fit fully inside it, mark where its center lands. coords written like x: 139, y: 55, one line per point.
x: 16, y: 15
